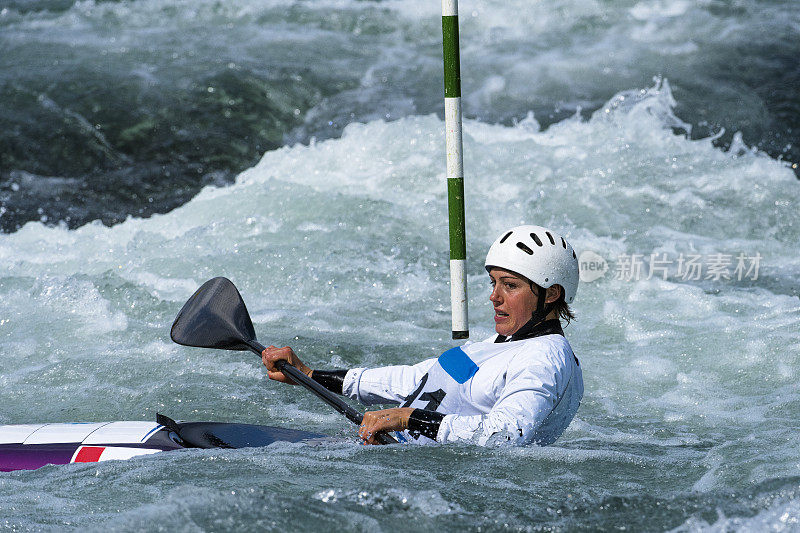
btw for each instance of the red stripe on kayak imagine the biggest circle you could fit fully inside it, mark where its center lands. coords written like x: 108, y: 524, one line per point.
x: 89, y: 454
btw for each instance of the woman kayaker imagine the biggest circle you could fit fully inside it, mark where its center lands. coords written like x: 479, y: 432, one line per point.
x: 523, y: 385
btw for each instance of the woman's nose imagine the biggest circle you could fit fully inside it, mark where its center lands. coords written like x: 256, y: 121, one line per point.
x: 493, y: 296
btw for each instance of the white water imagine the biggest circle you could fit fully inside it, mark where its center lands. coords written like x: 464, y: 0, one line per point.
x: 129, y: 106
x: 339, y: 249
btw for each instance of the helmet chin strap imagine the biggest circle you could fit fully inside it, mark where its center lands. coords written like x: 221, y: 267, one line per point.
x: 542, y: 310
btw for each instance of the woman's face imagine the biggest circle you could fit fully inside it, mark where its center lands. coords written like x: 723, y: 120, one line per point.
x: 514, y: 301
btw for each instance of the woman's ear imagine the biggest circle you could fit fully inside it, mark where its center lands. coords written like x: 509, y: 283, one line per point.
x: 553, y: 293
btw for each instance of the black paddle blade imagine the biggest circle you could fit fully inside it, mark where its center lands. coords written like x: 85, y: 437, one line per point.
x: 214, y: 317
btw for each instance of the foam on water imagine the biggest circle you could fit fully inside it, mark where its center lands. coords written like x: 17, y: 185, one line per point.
x: 117, y: 108
x: 340, y: 249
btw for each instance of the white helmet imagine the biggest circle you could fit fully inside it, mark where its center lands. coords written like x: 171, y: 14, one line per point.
x: 541, y: 255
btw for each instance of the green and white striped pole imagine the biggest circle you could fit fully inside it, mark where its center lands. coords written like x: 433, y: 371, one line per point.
x: 455, y: 169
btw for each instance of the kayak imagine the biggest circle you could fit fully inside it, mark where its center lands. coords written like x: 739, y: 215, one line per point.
x: 31, y: 446
x: 214, y: 317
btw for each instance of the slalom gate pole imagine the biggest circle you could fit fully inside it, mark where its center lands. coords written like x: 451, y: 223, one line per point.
x: 455, y: 169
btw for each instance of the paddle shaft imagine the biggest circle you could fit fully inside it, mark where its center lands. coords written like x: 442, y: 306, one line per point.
x: 324, y: 394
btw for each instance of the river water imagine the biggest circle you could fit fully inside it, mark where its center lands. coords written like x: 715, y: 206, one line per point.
x: 579, y: 118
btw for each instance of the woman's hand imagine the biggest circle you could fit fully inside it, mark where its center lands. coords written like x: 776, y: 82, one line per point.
x: 384, y: 420
x: 271, y: 355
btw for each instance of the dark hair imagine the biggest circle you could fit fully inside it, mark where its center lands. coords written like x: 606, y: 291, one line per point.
x: 561, y: 307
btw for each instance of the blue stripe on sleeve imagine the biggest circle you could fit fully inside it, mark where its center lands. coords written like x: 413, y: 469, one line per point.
x: 458, y: 364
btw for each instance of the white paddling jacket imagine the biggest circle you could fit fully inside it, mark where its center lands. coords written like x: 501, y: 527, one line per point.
x: 518, y: 392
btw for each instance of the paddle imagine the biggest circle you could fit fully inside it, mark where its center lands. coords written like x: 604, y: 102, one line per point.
x: 216, y: 317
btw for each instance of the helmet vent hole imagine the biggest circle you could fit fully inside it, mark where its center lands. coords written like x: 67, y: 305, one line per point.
x: 506, y: 236
x: 536, y: 239
x: 552, y: 241
x: 524, y: 248
x: 573, y: 254
x: 563, y: 243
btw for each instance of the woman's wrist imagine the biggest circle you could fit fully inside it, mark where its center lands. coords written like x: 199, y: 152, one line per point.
x: 333, y: 380
x: 404, y: 415
x: 424, y: 422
